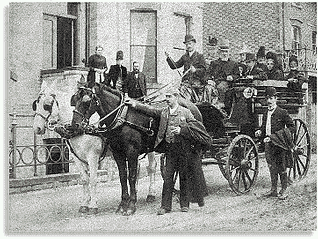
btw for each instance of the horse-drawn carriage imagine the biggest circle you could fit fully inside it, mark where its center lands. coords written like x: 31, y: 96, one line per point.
x: 129, y: 134
x: 235, y: 149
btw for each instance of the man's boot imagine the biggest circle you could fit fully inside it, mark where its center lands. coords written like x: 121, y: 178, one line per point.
x: 274, y: 179
x: 284, y: 181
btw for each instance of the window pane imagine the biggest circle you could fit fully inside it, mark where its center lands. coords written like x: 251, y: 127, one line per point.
x: 143, y: 28
x: 146, y: 56
x: 47, y: 44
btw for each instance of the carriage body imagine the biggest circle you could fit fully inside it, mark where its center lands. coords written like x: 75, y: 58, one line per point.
x: 235, y: 149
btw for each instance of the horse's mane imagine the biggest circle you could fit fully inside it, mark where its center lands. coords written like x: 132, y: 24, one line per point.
x: 110, y: 89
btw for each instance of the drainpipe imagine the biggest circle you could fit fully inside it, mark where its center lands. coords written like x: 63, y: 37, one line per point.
x: 283, y: 21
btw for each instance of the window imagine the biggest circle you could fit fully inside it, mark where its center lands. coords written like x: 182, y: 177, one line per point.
x: 296, y: 38
x: 314, y: 42
x: 59, y: 39
x: 143, y: 42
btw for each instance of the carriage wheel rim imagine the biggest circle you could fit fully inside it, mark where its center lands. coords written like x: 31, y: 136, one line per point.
x: 242, y: 173
x: 300, y: 158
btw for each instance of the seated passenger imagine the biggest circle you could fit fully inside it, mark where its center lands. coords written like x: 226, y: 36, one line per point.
x: 194, y: 68
x: 254, y: 71
x: 274, y: 72
x: 295, y: 78
x: 223, y: 72
x: 261, y: 59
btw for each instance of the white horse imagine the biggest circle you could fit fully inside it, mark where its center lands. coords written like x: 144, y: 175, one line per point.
x: 88, y: 149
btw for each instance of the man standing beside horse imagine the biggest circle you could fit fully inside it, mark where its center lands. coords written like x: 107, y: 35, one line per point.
x: 193, y: 81
x: 181, y: 136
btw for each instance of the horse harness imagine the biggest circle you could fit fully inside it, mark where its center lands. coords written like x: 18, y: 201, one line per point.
x: 46, y: 107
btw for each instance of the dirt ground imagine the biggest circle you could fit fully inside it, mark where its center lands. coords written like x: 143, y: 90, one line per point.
x: 55, y: 211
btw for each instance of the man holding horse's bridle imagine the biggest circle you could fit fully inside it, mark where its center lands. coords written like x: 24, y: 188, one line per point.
x: 176, y: 132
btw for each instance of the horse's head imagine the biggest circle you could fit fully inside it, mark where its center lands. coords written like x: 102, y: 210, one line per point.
x: 86, y: 104
x: 46, y: 112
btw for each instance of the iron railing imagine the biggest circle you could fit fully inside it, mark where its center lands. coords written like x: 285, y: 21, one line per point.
x: 53, y: 152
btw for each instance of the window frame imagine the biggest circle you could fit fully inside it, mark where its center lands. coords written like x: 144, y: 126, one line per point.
x: 155, y: 46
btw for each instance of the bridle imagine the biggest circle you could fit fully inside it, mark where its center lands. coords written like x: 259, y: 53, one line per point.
x: 94, y: 98
x: 49, y: 124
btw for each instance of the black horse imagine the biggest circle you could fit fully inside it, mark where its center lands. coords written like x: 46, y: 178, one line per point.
x: 129, y: 132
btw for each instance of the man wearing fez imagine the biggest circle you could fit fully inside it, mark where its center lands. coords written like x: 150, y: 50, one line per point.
x: 97, y: 67
x: 223, y: 72
x: 193, y: 81
x: 117, y: 73
x: 276, y: 124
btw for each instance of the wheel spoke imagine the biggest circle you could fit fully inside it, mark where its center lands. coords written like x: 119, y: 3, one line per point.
x: 234, y: 169
x: 297, y: 131
x: 249, y: 151
x: 299, y: 160
x: 301, y: 138
x: 248, y: 177
x: 244, y: 180
x: 298, y: 167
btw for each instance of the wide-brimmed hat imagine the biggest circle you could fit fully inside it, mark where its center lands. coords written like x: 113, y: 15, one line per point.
x: 119, y: 55
x: 250, y: 57
x: 189, y: 38
x: 270, y: 91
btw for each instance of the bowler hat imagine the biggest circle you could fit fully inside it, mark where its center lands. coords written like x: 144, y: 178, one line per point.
x: 270, y: 91
x: 188, y: 38
x: 119, y: 55
x: 261, y: 52
x: 250, y: 57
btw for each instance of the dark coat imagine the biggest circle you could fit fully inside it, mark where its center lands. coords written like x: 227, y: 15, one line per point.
x: 295, y: 74
x: 258, y: 72
x: 135, y: 87
x: 191, y: 129
x: 113, y: 74
x: 275, y: 74
x: 95, y: 61
x: 279, y: 119
x: 219, y: 70
x: 192, y: 136
x: 197, y: 60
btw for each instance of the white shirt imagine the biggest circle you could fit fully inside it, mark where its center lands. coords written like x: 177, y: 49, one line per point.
x: 191, y: 53
x: 268, y: 127
x: 173, y: 110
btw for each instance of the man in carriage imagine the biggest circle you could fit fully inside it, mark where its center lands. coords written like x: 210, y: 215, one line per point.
x: 223, y: 72
x: 193, y: 80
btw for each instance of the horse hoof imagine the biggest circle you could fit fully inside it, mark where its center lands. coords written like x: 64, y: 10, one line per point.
x: 93, y: 211
x: 150, y: 198
x: 83, y: 209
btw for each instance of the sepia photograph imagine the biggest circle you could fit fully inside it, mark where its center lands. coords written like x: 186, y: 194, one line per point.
x: 160, y: 118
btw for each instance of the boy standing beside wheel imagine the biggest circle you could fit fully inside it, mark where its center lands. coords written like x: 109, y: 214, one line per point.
x: 276, y: 122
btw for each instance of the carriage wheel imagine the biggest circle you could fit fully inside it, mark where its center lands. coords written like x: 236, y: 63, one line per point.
x: 301, y: 153
x: 221, y: 157
x: 242, y: 164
